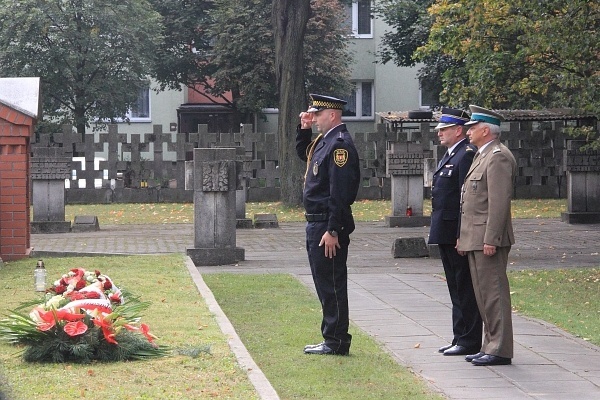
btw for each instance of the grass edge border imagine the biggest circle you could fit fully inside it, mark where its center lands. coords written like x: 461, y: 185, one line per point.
x: 256, y: 376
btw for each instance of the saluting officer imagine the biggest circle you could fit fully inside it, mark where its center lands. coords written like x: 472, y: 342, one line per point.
x: 331, y: 183
x: 486, y: 234
x: 445, y: 216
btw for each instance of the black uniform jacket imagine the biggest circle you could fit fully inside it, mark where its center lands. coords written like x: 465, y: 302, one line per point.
x: 332, y: 178
x: 445, y: 193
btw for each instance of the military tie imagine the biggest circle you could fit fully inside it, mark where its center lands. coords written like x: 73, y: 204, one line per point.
x: 311, y: 151
x: 473, y: 164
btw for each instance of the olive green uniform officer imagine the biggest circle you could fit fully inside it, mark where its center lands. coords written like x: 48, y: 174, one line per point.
x: 486, y: 234
x: 331, y: 183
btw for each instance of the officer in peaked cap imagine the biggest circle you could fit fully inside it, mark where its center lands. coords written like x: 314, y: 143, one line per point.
x: 331, y: 182
x: 480, y: 114
x: 486, y: 234
x: 321, y: 102
x: 452, y: 117
x: 445, y: 216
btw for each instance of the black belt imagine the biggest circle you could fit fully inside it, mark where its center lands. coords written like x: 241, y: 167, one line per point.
x: 316, y: 217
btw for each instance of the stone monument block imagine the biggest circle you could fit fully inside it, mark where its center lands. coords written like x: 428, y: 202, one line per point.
x: 583, y: 185
x: 405, y: 166
x: 410, y: 248
x: 266, y: 221
x: 216, y: 180
x: 48, y: 170
x: 85, y: 223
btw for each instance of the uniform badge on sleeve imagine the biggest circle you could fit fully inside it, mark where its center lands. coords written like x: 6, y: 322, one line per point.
x: 340, y: 156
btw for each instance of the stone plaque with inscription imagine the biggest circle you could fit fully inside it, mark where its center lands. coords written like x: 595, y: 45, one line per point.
x: 582, y: 161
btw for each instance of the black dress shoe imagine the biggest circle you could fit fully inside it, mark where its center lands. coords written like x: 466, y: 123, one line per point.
x: 488, y: 359
x: 323, y: 349
x: 444, y: 348
x: 474, y: 356
x: 458, y: 350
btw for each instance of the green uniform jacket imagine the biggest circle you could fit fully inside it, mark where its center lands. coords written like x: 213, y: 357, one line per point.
x: 485, y: 201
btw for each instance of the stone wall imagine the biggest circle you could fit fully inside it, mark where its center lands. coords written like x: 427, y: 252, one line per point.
x: 152, y: 167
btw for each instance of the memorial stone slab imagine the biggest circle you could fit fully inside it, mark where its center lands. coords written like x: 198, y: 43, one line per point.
x: 48, y: 170
x: 266, y: 221
x: 405, y: 166
x: 583, y: 185
x: 216, y: 181
x: 410, y: 248
x: 85, y: 223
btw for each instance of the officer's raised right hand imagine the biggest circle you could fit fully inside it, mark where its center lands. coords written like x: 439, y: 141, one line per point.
x: 306, y: 120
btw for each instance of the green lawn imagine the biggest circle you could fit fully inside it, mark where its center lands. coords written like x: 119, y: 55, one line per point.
x: 178, y: 316
x: 275, y: 316
x: 569, y: 299
x: 364, y: 210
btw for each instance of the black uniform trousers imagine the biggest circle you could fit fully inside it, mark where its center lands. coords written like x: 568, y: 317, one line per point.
x: 466, y: 320
x: 330, y: 276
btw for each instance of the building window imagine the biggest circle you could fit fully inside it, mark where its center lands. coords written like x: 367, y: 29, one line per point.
x: 140, y: 111
x: 360, y: 103
x: 359, y: 19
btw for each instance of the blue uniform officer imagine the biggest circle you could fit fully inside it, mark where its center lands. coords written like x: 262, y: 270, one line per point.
x: 445, y: 217
x: 331, y: 182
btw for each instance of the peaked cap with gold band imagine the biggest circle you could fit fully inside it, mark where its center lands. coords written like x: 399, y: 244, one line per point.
x: 480, y: 114
x: 321, y: 102
x: 452, y: 117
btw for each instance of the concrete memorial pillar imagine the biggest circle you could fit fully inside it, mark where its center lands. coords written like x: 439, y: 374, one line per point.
x: 583, y: 185
x: 20, y: 107
x: 216, y: 179
x: 49, y: 169
x: 404, y: 164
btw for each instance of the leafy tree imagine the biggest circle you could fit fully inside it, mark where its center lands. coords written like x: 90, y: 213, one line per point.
x: 227, y: 46
x: 519, y: 53
x: 244, y: 51
x: 182, y: 58
x: 93, y: 57
x: 239, y: 55
x: 500, y: 53
x: 243, y: 54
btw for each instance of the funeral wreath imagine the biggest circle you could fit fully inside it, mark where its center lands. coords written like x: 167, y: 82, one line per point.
x: 84, y: 317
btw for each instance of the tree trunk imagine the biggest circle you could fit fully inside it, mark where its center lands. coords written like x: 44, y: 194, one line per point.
x: 289, y: 22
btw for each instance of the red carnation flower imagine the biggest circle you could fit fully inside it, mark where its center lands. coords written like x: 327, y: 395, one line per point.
x: 60, y: 289
x: 92, y: 295
x: 115, y: 297
x: 80, y: 284
x: 97, y: 273
x: 76, y: 296
x: 107, y: 284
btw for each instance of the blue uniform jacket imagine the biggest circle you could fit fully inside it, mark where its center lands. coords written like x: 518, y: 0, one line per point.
x: 445, y: 194
x: 332, y: 178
